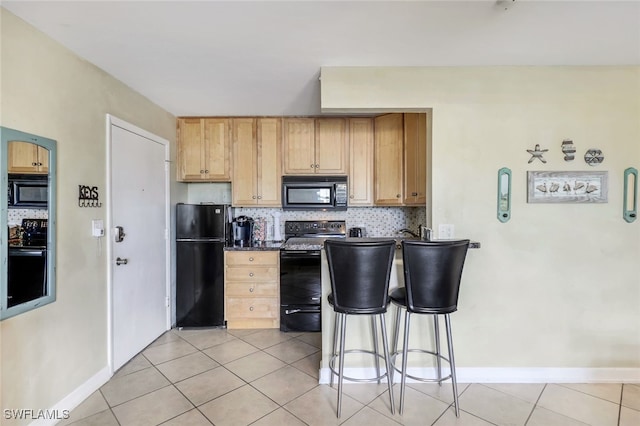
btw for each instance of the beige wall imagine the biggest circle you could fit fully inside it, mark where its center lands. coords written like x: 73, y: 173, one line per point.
x: 559, y: 284
x: 46, y: 90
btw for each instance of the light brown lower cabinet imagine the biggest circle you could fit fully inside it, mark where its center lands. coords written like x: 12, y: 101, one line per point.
x: 252, y: 295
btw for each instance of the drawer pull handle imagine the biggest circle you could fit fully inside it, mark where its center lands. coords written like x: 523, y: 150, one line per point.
x: 250, y: 274
x: 251, y: 259
x: 251, y: 290
x: 251, y: 308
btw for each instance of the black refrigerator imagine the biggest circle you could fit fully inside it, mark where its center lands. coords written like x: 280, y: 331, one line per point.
x: 202, y: 231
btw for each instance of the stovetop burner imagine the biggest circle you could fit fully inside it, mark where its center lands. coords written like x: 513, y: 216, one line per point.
x: 311, y: 234
x: 34, y: 232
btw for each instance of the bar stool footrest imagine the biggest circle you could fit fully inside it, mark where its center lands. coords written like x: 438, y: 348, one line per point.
x: 332, y: 367
x: 393, y: 356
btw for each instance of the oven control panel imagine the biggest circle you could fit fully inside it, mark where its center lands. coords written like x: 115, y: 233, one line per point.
x: 300, y: 228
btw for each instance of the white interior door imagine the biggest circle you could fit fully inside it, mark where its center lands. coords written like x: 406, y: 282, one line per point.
x: 139, y: 259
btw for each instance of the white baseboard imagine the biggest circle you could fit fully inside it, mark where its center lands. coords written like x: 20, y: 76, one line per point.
x: 510, y: 375
x: 74, y: 399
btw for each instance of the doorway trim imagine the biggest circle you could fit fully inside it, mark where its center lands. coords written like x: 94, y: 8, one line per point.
x: 114, y: 121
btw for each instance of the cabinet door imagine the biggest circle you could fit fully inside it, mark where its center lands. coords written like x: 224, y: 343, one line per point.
x: 360, y: 161
x: 299, y: 146
x: 332, y: 146
x: 388, y: 159
x: 190, y: 150
x: 43, y: 160
x: 244, y: 176
x: 269, y: 161
x: 23, y: 157
x: 415, y: 159
x: 217, y: 147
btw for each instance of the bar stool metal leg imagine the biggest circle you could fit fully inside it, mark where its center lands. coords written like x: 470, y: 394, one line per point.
x: 452, y: 363
x: 405, y: 350
x: 387, y: 359
x: 436, y: 331
x: 374, y: 335
x: 336, y: 327
x: 394, y: 345
x: 343, y: 329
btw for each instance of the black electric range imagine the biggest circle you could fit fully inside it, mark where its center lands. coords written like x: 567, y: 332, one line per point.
x: 300, y: 280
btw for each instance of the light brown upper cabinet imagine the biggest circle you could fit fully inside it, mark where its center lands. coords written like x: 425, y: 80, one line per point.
x: 26, y: 157
x: 400, y: 159
x: 360, y: 161
x: 256, y: 177
x: 388, y: 154
x: 315, y: 145
x: 204, y: 149
x: 415, y: 157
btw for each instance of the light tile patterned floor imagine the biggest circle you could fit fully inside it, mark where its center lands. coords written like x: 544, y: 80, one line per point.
x: 265, y: 377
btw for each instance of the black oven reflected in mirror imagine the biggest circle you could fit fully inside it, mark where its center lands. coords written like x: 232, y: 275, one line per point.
x: 28, y: 174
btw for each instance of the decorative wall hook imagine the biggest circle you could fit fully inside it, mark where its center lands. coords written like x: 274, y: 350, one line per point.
x: 88, y: 196
x: 537, y: 153
x: 568, y: 149
x: 593, y: 157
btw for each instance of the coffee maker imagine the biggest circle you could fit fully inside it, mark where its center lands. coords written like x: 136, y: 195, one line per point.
x: 242, y: 231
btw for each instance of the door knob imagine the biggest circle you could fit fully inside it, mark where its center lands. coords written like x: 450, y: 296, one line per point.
x: 120, y: 261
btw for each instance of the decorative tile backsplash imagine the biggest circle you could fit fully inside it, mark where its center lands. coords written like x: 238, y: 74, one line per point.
x: 15, y: 216
x: 376, y: 221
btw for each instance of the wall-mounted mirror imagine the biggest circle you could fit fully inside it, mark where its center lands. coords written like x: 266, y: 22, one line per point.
x: 27, y: 242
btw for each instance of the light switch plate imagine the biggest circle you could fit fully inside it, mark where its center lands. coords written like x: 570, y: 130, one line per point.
x: 445, y: 231
x: 97, y: 228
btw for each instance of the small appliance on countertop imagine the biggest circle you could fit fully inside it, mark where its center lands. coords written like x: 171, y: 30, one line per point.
x: 357, y: 232
x: 243, y: 231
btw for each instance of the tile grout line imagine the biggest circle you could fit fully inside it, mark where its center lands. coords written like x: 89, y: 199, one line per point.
x: 535, y: 404
x: 620, y: 405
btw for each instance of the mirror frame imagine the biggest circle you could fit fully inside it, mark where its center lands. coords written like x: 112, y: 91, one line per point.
x: 8, y: 135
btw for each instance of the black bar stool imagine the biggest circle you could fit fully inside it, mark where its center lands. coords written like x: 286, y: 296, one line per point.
x: 432, y: 272
x: 359, y: 273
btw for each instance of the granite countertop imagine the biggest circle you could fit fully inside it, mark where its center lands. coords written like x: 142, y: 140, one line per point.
x: 277, y: 245
x: 257, y: 246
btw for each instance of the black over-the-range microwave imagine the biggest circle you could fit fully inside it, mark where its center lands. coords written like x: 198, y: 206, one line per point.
x: 28, y: 191
x: 314, y: 193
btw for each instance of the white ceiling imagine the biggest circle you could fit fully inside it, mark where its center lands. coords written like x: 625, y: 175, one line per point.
x: 264, y: 57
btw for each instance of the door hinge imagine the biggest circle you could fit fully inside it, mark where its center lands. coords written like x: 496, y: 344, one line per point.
x: 167, y: 301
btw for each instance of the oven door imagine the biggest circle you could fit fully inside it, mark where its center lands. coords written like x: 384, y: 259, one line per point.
x: 300, y: 290
x: 27, y: 271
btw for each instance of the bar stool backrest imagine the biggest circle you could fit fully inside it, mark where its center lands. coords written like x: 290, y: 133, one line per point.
x: 432, y: 273
x: 359, y: 273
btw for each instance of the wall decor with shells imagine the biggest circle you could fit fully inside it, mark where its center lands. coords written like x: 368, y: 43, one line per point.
x: 567, y: 187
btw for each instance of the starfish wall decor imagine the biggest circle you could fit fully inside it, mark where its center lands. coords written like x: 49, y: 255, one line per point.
x: 537, y: 153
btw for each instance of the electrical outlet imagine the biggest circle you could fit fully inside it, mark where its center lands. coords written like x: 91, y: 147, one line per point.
x: 446, y: 231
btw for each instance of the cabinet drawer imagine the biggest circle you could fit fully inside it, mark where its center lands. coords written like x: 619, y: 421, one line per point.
x: 245, y: 258
x: 245, y: 289
x: 252, y: 307
x: 252, y: 274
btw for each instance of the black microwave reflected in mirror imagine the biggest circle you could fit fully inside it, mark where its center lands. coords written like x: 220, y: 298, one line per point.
x: 28, y: 173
